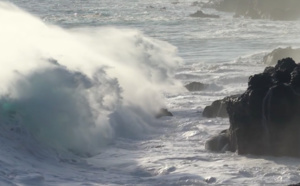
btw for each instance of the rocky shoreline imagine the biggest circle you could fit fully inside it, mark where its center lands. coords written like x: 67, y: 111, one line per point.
x: 265, y: 119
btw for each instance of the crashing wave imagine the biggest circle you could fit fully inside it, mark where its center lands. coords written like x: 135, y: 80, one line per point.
x: 99, y: 84
x: 280, y: 53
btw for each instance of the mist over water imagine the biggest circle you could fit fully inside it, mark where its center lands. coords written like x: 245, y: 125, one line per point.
x: 79, y: 89
x: 77, y: 100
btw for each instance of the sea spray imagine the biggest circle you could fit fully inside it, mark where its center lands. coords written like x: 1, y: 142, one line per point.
x: 78, y: 89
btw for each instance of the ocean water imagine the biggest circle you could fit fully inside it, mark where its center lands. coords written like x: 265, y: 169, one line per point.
x: 81, y: 81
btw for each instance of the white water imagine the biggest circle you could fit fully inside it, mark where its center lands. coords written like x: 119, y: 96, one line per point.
x: 77, y: 102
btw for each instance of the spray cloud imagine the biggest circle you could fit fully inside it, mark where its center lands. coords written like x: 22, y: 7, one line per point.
x: 77, y: 89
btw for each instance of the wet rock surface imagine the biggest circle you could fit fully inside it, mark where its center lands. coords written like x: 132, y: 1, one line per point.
x: 195, y: 86
x: 218, y: 108
x: 265, y: 119
x: 163, y: 112
x: 201, y: 14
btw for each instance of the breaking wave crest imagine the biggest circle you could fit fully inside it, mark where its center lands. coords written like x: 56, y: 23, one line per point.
x: 79, y: 89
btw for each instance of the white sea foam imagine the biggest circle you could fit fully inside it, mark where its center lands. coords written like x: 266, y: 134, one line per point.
x: 98, y: 86
x: 76, y: 89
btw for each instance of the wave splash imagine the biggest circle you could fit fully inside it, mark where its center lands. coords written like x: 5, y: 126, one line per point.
x: 78, y: 89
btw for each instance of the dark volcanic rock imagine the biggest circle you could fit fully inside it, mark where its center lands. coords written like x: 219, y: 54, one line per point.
x: 218, y: 108
x: 265, y: 119
x: 199, y: 13
x: 296, y: 184
x: 210, y: 180
x: 163, y: 112
x: 195, y: 86
x: 259, y: 9
x: 218, y: 143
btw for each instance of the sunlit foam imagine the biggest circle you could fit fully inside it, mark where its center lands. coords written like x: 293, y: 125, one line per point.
x: 78, y: 89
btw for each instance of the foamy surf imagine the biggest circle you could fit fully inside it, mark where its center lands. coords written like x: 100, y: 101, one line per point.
x: 134, y: 148
x: 79, y: 89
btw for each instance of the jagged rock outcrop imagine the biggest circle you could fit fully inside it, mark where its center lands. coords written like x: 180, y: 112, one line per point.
x: 259, y: 9
x: 195, y: 86
x: 218, y: 143
x: 163, y: 112
x: 201, y: 14
x: 265, y: 119
x: 218, y: 108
